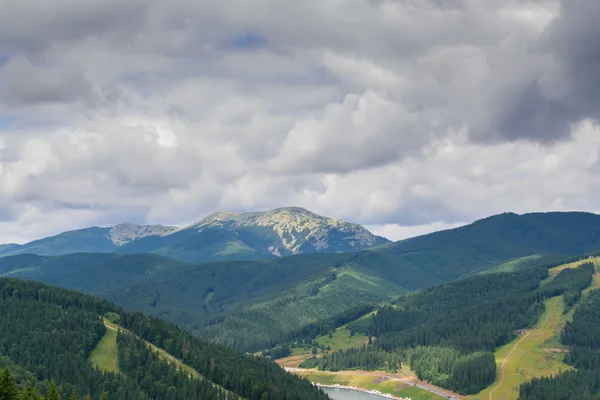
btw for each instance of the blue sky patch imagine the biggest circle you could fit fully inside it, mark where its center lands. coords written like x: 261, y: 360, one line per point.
x: 248, y: 41
x: 4, y: 122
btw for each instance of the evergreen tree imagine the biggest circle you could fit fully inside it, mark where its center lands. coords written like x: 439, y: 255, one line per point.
x: 29, y: 392
x: 52, y: 392
x: 73, y: 395
x: 8, y: 389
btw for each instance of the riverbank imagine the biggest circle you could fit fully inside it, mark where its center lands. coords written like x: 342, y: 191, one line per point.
x: 362, y: 390
x: 397, y: 385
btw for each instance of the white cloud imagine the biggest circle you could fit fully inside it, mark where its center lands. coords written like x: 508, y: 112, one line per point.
x: 397, y: 232
x: 406, y: 115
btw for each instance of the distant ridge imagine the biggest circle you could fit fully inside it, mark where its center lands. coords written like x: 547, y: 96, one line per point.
x: 220, y: 236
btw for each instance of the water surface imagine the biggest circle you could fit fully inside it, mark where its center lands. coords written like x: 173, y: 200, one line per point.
x: 341, y: 394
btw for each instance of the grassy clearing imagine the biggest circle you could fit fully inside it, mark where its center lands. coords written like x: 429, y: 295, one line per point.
x: 539, y: 351
x: 512, y: 265
x: 533, y: 354
x: 112, y: 327
x: 339, y: 340
x: 105, y: 354
x: 552, y: 272
x: 596, y: 278
x: 384, y: 385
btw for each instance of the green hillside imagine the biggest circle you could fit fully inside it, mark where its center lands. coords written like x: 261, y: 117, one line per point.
x: 255, y: 304
x: 499, y: 239
x: 580, y: 337
x: 205, y: 246
x: 244, y: 304
x: 93, y: 240
x: 448, y: 333
x: 48, y: 334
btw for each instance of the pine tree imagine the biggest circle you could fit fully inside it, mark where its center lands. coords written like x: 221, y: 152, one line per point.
x: 104, y: 396
x: 29, y: 392
x: 52, y: 392
x: 74, y: 395
x: 8, y: 389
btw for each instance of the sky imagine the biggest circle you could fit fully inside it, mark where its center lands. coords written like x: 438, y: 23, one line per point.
x: 406, y: 116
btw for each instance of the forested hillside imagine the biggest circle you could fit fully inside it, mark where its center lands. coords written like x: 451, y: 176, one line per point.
x: 448, y: 333
x: 249, y: 305
x: 492, y: 241
x: 47, y: 335
x: 581, y: 336
x: 256, y: 304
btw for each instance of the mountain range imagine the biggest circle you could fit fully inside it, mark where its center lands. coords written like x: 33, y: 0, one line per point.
x: 252, y: 303
x: 219, y: 236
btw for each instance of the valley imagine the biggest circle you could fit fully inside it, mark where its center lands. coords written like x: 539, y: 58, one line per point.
x: 432, y: 316
x: 534, y: 353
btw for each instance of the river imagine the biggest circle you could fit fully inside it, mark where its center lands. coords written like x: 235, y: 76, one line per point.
x: 342, y: 394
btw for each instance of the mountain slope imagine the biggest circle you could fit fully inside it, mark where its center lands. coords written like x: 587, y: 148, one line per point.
x: 266, y: 298
x: 280, y: 232
x: 220, y: 236
x: 254, y: 303
x: 93, y: 240
x: 49, y: 333
x: 498, y: 239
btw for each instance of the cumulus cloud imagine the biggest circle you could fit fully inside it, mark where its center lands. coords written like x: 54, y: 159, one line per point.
x: 404, y: 115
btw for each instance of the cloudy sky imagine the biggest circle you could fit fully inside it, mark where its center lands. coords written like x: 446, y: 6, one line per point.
x: 403, y: 115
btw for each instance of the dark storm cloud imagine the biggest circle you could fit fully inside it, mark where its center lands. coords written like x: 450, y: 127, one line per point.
x: 565, y: 91
x: 33, y: 26
x: 574, y: 39
x: 22, y: 84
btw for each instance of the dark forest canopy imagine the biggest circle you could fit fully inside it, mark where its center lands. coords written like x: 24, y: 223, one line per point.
x: 48, y: 333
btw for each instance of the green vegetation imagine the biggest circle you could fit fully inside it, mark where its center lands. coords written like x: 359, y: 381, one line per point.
x: 248, y: 305
x: 534, y: 353
x: 260, y: 304
x: 448, y: 368
x: 365, y: 357
x: 580, y: 335
x: 342, y: 339
x: 449, y: 331
x: 47, y: 333
x: 105, y: 353
x: 499, y: 239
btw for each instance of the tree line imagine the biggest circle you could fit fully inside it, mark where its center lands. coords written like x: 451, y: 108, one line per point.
x: 365, y: 357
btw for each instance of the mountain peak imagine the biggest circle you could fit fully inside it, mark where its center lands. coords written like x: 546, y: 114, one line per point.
x: 293, y: 230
